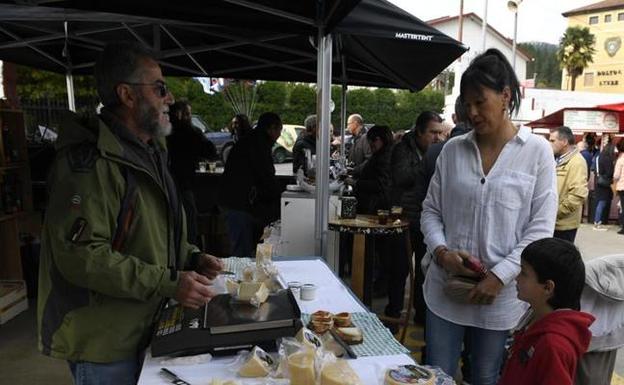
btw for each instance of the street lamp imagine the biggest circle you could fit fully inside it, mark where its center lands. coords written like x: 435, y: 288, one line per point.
x: 513, y: 7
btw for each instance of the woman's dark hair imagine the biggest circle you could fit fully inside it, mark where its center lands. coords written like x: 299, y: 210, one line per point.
x: 244, y: 127
x: 491, y: 70
x: 620, y: 146
x: 423, y: 121
x: 559, y: 261
x: 608, y: 151
x: 382, y: 132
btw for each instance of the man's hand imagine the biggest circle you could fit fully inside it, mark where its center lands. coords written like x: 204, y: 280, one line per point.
x: 451, y: 261
x: 193, y: 290
x: 486, y: 291
x: 209, y: 266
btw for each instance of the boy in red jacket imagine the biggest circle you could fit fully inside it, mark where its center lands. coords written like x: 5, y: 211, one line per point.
x: 554, y: 334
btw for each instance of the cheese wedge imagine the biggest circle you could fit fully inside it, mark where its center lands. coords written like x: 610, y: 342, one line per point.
x: 308, y: 338
x: 231, y: 286
x: 408, y: 375
x: 257, y: 365
x: 256, y: 291
x: 339, y: 373
x: 350, y: 335
x: 301, y: 368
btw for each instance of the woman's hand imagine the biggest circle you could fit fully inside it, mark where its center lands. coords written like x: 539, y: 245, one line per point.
x: 452, y: 262
x: 486, y: 291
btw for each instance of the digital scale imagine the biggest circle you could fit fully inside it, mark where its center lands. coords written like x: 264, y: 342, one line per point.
x: 225, y: 325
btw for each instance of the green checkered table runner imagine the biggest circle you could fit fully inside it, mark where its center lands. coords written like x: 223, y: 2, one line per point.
x: 378, y: 341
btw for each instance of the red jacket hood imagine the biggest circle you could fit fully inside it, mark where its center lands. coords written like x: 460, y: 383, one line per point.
x: 571, y: 324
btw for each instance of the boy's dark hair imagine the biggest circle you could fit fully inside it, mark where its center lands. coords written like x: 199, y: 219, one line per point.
x: 267, y: 120
x: 559, y: 261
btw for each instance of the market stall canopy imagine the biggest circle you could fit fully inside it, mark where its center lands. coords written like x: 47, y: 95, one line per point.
x: 375, y: 42
x: 602, y: 118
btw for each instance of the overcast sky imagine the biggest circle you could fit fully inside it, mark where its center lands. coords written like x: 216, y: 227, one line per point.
x: 538, y: 20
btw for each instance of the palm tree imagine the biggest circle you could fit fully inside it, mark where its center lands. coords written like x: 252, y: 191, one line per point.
x: 576, y: 51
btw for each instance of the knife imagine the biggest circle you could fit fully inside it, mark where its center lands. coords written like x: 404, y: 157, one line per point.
x: 343, y: 344
x: 174, y: 377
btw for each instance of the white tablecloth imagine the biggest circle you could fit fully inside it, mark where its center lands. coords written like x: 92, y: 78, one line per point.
x: 331, y: 295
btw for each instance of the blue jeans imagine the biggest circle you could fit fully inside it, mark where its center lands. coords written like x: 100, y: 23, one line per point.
x: 124, y: 372
x: 600, y: 207
x: 444, y: 346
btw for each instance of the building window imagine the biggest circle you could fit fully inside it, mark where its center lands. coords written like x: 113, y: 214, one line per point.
x: 607, y: 18
x: 620, y: 16
x: 588, y: 80
x: 593, y: 20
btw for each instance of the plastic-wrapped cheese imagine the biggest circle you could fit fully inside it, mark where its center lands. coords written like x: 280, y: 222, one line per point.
x: 308, y: 338
x: 339, y: 373
x: 409, y: 375
x: 257, y: 365
x: 216, y: 381
x: 301, y: 368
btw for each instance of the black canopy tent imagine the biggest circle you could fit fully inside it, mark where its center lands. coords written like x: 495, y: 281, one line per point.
x: 374, y: 44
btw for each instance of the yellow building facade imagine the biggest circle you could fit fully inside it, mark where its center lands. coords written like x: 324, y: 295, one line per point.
x: 605, y: 21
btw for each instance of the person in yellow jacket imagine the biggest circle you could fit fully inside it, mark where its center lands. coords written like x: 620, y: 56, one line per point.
x: 571, y: 183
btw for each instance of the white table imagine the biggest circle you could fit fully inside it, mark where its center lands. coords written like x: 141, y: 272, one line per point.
x: 332, y: 295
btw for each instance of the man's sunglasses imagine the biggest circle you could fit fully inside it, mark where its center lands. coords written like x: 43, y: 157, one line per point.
x: 162, y: 87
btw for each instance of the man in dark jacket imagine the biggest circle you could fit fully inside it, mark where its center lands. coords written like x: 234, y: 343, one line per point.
x: 360, y: 148
x: 113, y: 244
x: 249, y: 191
x: 306, y: 141
x: 187, y: 145
x: 407, y: 179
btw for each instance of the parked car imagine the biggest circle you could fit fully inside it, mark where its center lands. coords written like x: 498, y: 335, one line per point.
x: 282, y: 149
x: 221, y: 139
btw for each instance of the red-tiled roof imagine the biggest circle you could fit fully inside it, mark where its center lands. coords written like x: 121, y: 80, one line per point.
x: 444, y: 19
x: 596, y: 7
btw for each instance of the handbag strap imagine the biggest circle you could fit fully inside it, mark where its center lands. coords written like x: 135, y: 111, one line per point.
x: 598, y: 164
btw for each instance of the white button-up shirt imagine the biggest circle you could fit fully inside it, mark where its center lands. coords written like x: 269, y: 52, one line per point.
x: 493, y: 217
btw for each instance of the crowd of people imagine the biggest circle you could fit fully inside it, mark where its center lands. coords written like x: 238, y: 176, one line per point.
x: 120, y: 231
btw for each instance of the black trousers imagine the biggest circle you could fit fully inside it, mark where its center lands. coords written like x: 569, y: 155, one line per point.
x: 566, y: 235
x: 396, y: 267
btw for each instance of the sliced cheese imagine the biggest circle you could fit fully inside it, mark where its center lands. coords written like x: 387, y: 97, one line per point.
x: 257, y: 365
x: 301, y: 368
x: 249, y: 290
x: 308, y: 338
x: 339, y: 373
x: 231, y: 286
x: 408, y: 375
x: 261, y: 295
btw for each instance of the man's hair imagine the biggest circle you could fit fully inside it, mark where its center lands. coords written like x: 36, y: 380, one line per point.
x: 559, y: 261
x: 310, y: 123
x: 268, y: 119
x: 461, y: 115
x: 423, y: 121
x: 118, y: 63
x: 565, y: 133
x: 382, y: 132
x: 358, y: 118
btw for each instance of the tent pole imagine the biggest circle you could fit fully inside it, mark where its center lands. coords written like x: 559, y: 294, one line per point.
x: 343, y: 111
x: 71, y: 101
x: 323, y: 96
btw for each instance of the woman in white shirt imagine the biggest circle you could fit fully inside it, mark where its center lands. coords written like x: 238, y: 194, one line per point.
x: 493, y: 193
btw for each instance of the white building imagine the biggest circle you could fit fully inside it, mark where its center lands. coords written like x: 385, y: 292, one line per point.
x: 472, y: 37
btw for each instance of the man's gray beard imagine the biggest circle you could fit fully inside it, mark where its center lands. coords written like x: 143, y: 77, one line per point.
x: 150, y: 122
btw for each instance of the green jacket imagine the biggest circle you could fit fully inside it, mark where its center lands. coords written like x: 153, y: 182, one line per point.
x: 104, y: 275
x: 572, y: 188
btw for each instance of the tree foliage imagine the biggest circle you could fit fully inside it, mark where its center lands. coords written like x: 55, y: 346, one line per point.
x: 545, y: 65
x: 576, y: 51
x: 397, y: 109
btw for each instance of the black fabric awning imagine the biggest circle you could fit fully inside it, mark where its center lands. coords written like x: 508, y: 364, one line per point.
x: 375, y: 42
